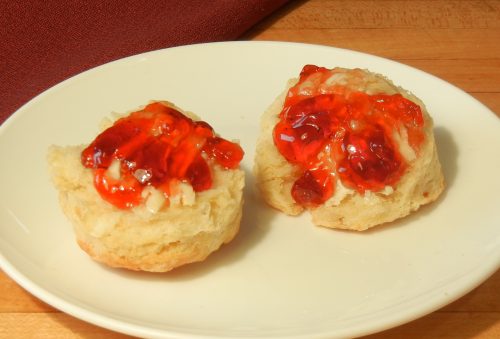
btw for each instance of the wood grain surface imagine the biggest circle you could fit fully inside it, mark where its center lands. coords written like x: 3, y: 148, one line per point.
x: 458, y: 41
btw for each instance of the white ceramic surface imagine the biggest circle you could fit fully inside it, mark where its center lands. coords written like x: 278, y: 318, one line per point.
x: 282, y: 276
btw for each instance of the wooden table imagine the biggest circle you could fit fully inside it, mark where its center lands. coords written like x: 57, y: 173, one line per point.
x: 458, y: 41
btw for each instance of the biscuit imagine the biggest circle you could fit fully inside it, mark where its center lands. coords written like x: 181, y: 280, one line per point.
x: 416, y: 178
x: 162, y: 231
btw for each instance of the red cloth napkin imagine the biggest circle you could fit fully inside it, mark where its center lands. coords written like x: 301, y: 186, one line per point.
x: 45, y: 42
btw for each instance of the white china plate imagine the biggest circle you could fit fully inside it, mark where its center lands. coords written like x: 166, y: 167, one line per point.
x: 281, y: 276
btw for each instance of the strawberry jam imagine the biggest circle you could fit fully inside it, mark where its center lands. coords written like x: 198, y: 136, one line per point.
x: 156, y: 146
x: 329, y: 131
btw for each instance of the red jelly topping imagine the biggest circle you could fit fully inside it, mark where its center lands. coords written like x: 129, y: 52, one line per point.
x: 156, y: 146
x: 313, y: 187
x: 344, y: 133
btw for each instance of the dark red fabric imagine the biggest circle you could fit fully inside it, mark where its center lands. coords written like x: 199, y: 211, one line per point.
x: 45, y: 42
